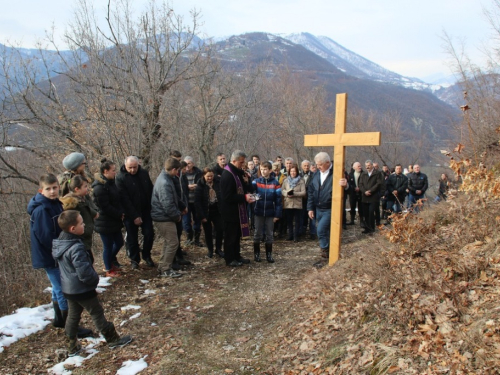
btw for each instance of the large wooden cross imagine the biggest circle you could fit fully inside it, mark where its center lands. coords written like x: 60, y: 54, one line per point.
x: 340, y: 139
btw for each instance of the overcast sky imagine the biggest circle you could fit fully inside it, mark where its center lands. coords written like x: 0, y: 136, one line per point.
x: 401, y: 35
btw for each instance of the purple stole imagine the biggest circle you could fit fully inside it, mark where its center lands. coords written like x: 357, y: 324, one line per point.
x: 242, y: 208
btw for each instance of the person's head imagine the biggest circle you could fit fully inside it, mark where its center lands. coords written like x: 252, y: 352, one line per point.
x: 305, y: 165
x: 313, y: 168
x: 132, y: 164
x: 385, y: 168
x: 276, y: 166
x: 250, y: 165
x: 357, y: 166
x: 444, y: 176
x: 279, y: 159
x: 190, y: 163
x: 183, y: 166
x: 265, y: 169
x: 256, y: 159
x: 75, y: 162
x: 79, y: 186
x: 293, y: 171
x: 238, y: 158
x: 369, y: 165
x: 375, y: 166
x: 221, y: 160
x: 71, y: 221
x: 322, y: 160
x: 410, y: 168
x: 398, y: 169
x: 288, y: 163
x: 48, y: 186
x: 172, y: 165
x: 416, y: 168
x: 176, y: 154
x: 108, y: 169
x: 208, y: 175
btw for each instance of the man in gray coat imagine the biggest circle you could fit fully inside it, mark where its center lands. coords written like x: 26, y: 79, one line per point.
x: 371, y: 182
x: 165, y: 212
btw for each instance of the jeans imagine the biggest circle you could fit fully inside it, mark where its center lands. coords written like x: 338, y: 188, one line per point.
x: 393, y: 206
x: 323, y: 222
x: 111, y: 243
x: 186, y: 220
x: 412, y: 200
x: 133, y: 249
x: 54, y: 275
x: 263, y: 224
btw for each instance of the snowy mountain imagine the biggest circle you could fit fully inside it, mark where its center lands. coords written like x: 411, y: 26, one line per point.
x: 354, y: 64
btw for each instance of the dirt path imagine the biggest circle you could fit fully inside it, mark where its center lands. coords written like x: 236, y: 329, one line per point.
x: 214, y: 320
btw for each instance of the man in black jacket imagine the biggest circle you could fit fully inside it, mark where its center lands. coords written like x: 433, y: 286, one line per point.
x: 355, y: 194
x: 319, y: 199
x: 371, y: 182
x: 417, y: 185
x: 136, y: 189
x: 395, y: 186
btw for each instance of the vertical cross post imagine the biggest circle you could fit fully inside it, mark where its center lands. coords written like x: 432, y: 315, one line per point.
x: 339, y: 140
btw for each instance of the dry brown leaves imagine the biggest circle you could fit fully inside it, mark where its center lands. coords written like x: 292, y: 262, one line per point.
x: 425, y: 304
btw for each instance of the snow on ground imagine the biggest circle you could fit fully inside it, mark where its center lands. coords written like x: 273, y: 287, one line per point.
x: 132, y: 367
x: 23, y: 322
x: 26, y: 321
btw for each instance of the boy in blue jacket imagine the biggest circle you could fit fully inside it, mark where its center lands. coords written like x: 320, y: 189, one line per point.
x: 44, y: 210
x: 268, y: 208
x: 79, y: 282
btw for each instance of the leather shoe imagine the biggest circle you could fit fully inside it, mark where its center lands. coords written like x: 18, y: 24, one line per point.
x: 135, y: 265
x: 235, y: 263
x: 244, y: 261
x: 183, y: 262
x: 149, y: 262
x: 367, y: 231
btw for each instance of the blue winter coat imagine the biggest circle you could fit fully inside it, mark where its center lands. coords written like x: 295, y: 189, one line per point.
x: 270, y: 202
x: 44, y: 229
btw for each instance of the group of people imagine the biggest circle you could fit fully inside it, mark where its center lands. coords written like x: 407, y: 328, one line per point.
x: 227, y: 201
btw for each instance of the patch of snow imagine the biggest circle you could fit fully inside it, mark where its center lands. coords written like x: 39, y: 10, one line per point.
x: 144, y: 281
x: 130, y: 307
x: 23, y: 322
x: 150, y: 291
x: 132, y: 367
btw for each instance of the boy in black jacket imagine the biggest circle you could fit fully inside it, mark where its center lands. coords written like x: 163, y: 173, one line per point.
x: 79, y: 281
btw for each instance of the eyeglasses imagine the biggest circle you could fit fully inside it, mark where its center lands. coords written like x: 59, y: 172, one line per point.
x: 84, y: 163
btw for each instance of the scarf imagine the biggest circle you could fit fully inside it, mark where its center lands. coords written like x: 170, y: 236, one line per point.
x: 242, y: 207
x: 293, y: 181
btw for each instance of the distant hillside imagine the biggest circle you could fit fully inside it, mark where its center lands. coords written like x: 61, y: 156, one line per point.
x: 364, y: 93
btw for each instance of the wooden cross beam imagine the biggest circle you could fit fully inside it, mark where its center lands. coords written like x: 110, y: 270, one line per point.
x: 339, y: 140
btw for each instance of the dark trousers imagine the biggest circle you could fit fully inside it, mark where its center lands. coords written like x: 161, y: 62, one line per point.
x: 186, y: 220
x: 369, y: 211
x: 93, y: 307
x: 132, y: 241
x: 215, y: 219
x: 355, y: 200
x: 232, y: 236
x: 293, y: 214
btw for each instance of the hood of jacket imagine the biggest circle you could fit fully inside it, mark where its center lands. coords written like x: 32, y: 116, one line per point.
x: 70, y: 201
x: 40, y: 200
x: 63, y: 244
x: 99, y: 178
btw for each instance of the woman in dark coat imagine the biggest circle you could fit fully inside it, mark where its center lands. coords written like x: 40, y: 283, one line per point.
x: 109, y: 224
x: 207, y: 196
